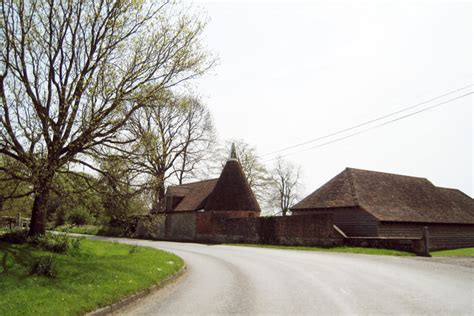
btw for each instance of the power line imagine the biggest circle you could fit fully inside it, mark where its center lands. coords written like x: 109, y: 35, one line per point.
x: 376, y: 126
x: 364, y: 123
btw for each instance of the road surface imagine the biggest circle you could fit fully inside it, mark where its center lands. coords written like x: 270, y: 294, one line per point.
x: 223, y: 280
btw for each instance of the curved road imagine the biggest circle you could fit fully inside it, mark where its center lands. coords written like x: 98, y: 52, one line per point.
x: 225, y: 280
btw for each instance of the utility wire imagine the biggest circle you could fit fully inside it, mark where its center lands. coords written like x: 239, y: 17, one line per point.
x: 364, y: 123
x: 376, y: 126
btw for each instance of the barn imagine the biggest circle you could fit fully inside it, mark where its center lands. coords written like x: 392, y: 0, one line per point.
x: 367, y: 203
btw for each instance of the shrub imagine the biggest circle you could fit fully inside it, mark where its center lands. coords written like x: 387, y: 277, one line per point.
x: 45, y: 266
x: 75, y: 245
x: 59, y: 243
x: 79, y: 216
x: 121, y: 227
x: 85, y: 229
x: 15, y: 236
x: 60, y: 217
x: 111, y: 231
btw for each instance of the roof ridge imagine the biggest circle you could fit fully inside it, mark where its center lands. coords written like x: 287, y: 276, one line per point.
x: 189, y: 183
x: 389, y: 173
x: 351, y: 185
x: 454, y: 189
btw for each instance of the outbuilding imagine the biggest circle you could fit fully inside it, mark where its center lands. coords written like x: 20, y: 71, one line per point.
x: 193, y: 208
x: 367, y: 203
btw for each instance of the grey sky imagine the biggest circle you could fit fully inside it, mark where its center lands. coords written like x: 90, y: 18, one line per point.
x: 292, y: 72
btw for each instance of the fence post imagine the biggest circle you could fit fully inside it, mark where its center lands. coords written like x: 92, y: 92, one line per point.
x: 18, y: 221
x: 425, y: 238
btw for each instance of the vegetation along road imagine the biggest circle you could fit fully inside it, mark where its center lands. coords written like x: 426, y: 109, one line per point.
x: 244, y: 280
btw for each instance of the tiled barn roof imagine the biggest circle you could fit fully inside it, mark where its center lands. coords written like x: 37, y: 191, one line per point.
x: 194, y: 195
x: 392, y: 197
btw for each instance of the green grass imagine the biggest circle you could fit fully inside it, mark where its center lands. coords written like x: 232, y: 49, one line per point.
x: 84, y: 229
x: 362, y: 250
x: 99, y: 274
x: 92, y: 230
x: 463, y: 252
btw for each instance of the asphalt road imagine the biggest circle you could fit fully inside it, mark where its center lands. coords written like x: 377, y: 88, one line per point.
x: 223, y: 280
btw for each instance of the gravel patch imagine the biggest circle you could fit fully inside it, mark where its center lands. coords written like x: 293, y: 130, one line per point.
x: 467, y: 262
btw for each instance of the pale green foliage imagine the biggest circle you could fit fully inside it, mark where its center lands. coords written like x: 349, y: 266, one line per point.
x: 13, y: 187
x: 70, y: 72
x: 71, y: 194
x: 120, y: 198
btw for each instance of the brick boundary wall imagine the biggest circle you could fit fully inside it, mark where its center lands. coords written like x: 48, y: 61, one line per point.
x: 303, y: 230
x: 310, y: 230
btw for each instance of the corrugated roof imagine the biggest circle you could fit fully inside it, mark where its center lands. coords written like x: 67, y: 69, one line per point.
x: 392, y: 197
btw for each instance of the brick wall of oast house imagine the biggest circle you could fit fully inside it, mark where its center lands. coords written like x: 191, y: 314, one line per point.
x: 181, y: 226
x: 151, y: 227
x: 353, y: 221
x: 212, y: 224
x: 442, y: 236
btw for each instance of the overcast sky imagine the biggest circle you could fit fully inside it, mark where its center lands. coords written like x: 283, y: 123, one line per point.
x: 289, y: 73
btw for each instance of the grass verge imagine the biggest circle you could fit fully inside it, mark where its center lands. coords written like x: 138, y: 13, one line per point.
x: 92, y: 230
x: 462, y: 252
x: 362, y: 250
x: 99, y: 274
x: 84, y: 229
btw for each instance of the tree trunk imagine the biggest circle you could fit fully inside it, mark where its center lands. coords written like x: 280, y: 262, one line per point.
x: 159, y: 198
x: 161, y: 194
x: 38, y: 212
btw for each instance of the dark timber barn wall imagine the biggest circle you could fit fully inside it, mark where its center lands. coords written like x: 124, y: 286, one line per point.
x: 352, y: 220
x: 442, y: 236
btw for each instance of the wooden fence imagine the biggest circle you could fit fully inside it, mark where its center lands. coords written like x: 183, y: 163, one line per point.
x: 14, y: 222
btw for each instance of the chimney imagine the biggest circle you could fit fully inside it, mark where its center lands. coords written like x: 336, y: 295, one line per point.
x: 233, y: 153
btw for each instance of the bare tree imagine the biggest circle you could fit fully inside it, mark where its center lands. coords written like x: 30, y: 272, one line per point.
x: 285, y: 184
x: 173, y: 135
x: 198, y: 139
x: 69, y: 76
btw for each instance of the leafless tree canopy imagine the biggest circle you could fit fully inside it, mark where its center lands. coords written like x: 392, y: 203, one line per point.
x: 173, y: 135
x: 285, y: 183
x: 70, y: 72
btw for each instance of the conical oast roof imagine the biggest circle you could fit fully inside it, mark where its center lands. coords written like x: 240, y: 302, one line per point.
x: 232, y: 191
